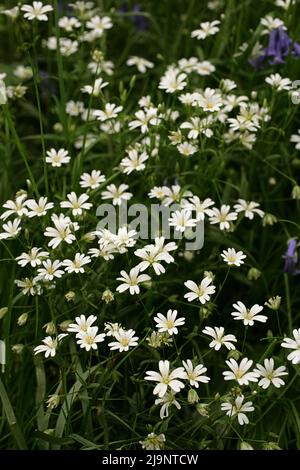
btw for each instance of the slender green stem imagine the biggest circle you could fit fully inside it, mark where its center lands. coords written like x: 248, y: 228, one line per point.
x: 36, y: 79
x: 288, y: 301
x: 20, y: 147
x: 62, y: 91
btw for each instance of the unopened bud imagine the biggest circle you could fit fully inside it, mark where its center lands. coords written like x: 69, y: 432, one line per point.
x: 50, y: 328
x: 269, y: 219
x: 193, y: 396
x: 203, y: 409
x: 245, y: 446
x: 70, y: 296
x: 296, y: 192
x: 22, y: 320
x: 108, y: 296
x: 3, y: 312
x: 17, y: 348
x: 64, y: 325
x: 234, y: 354
x: 253, y: 274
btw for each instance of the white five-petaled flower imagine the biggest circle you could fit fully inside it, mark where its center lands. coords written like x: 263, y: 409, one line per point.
x: 144, y: 119
x: 131, y: 281
x: 68, y: 24
x: 110, y: 111
x: 50, y: 270
x: 210, y: 100
x: 151, y: 256
x: 98, y: 25
x: 294, y: 344
x: 181, y: 220
x: 239, y: 372
x: 168, y: 323
x: 62, y: 230
x: 248, y: 316
x: 197, y: 126
x: 166, y: 379
x: 36, y: 11
x: 250, y: 208
x: 195, y: 374
x: 50, y: 345
x: 88, y: 339
x: 238, y: 409
x: 17, y: 207
x: 124, y: 340
x: 206, y: 29
x: 153, y: 441
x: 186, y: 149
x: 38, y: 208
x: 172, y: 81
x: 202, y: 292
x: 141, y: 64
x: 76, y: 265
x: 276, y: 81
x: 134, y: 161
x: 77, y: 204
x: 269, y: 23
x: 201, y: 207
x: 11, y: 229
x: 95, y: 89
x: 269, y: 374
x: 57, y: 157
x: 232, y: 257
x: 223, y: 217
x: 92, y: 180
x: 82, y: 324
x: 117, y: 194
x: 219, y: 338
x: 34, y: 257
x: 29, y: 286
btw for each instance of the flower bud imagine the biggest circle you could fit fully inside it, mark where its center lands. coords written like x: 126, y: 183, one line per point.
x: 50, y: 328
x: 234, y: 354
x: 57, y: 127
x: 245, y: 446
x: 296, y: 192
x: 269, y: 219
x: 22, y: 320
x: 3, y: 312
x: 64, y: 325
x: 107, y: 296
x: 203, y: 409
x: 193, y: 396
x: 253, y: 274
x: 70, y: 296
x: 17, y: 348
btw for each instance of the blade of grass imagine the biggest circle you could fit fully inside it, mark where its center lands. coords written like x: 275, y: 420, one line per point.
x: 11, y: 419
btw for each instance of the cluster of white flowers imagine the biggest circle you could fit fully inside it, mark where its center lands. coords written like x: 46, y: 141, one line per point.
x: 87, y: 336
x: 59, y: 240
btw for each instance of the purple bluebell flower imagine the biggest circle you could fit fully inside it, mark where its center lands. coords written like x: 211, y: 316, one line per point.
x: 279, y: 46
x: 291, y: 258
x: 296, y: 49
x: 139, y: 21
